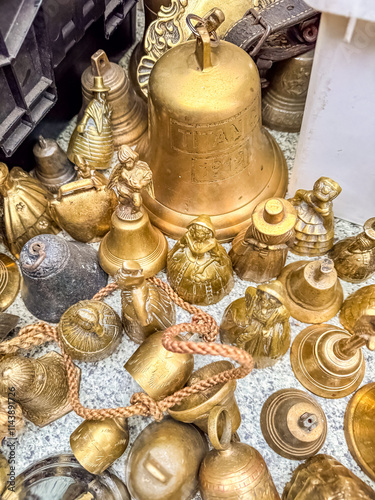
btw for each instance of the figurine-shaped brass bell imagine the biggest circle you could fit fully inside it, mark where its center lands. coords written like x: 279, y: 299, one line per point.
x: 159, y: 372
x: 313, y: 292
x: 293, y: 424
x: 259, y: 324
x: 10, y: 280
x: 233, y: 471
x: 199, y: 269
x: 208, y: 151
x: 328, y: 361
x: 41, y: 386
x: 25, y: 207
x: 259, y: 252
x: 145, y: 307
x: 358, y: 304
x: 164, y: 461
x: 96, y: 444
x: 132, y: 237
x: 90, y: 330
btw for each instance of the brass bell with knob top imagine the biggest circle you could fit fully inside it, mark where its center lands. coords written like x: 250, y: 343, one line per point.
x: 208, y: 151
x: 293, y: 424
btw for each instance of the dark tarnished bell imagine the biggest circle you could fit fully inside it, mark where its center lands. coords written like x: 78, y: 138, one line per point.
x: 57, y: 274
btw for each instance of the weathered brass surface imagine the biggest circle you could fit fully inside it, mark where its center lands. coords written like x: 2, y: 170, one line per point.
x: 196, y: 408
x: 16, y: 419
x: 313, y: 292
x: 324, y: 478
x: 159, y: 372
x: 354, y: 257
x: 284, y: 100
x: 293, y: 424
x: 164, y: 461
x: 93, y: 138
x: 4, y: 471
x: 132, y: 237
x: 259, y: 252
x: 259, y: 324
x: 97, y: 444
x: 208, y: 151
x: 90, y: 330
x: 358, y: 304
x: 198, y: 267
x: 8, y: 322
x: 360, y: 430
x: 145, y: 307
x: 25, y: 207
x: 129, y: 116
x: 41, y: 386
x: 84, y: 208
x: 10, y: 280
x: 315, y: 228
x: 233, y: 471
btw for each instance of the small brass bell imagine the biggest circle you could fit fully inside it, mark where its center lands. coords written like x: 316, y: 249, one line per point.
x: 196, y: 408
x: 164, y: 461
x: 10, y: 280
x: 41, y: 386
x: 233, y: 471
x: 132, y: 237
x: 328, y: 361
x: 53, y: 169
x: 4, y: 472
x: 96, y: 444
x: 358, y: 304
x: 313, y: 292
x: 159, y: 372
x: 293, y: 424
x: 90, y: 330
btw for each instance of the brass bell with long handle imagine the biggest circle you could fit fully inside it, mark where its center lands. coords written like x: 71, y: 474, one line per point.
x: 208, y: 151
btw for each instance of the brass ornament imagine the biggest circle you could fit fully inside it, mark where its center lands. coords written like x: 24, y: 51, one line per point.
x: 359, y: 428
x: 132, y: 237
x: 10, y: 422
x: 198, y: 267
x: 96, y: 444
x: 4, y: 472
x: 354, y: 257
x: 197, y: 408
x: 145, y: 307
x: 324, y: 478
x: 41, y: 386
x: 90, y: 330
x: 84, y: 208
x: 10, y: 280
x: 25, y: 207
x: 315, y: 229
x: 259, y: 252
x: 259, y: 324
x: 313, y: 292
x: 233, y: 470
x: 164, y: 461
x: 283, y: 102
x: 93, y: 138
x: 293, y: 424
x: 359, y: 303
x: 159, y: 372
x: 209, y: 159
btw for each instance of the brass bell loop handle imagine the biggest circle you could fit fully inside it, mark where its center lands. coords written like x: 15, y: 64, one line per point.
x: 36, y: 248
x: 213, y: 428
x: 201, y: 21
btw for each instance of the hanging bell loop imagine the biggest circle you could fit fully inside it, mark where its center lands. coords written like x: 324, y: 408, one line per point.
x: 214, y: 426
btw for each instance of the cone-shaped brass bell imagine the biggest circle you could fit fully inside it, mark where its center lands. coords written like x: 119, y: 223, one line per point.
x: 129, y: 116
x: 314, y: 293
x: 10, y: 280
x: 53, y: 169
x: 96, y: 444
x: 284, y: 100
x: 164, y: 461
x: 359, y: 303
x: 159, y: 372
x: 208, y: 151
x: 293, y: 424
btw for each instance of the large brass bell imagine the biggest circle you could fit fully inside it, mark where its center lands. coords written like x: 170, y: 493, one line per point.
x: 208, y: 151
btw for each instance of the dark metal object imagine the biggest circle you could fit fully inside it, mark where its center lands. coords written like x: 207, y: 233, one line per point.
x: 8, y: 322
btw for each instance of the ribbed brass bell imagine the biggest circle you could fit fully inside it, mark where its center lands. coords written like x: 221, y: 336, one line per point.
x: 314, y: 293
x: 129, y: 116
x: 293, y: 424
x: 358, y: 304
x: 208, y: 151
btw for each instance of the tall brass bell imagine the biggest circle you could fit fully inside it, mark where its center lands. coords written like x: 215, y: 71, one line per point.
x: 208, y: 151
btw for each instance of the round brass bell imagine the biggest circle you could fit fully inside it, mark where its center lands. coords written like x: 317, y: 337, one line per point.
x: 10, y: 280
x: 314, y: 293
x: 358, y: 304
x: 360, y: 430
x: 293, y: 424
